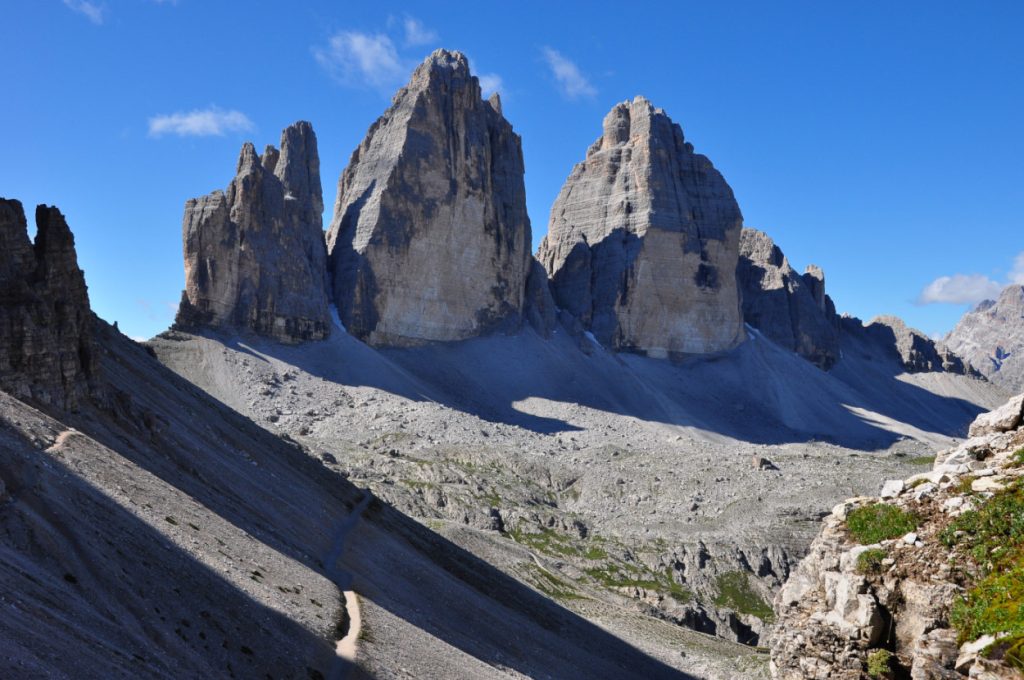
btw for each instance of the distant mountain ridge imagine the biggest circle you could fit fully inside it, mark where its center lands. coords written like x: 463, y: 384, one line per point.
x: 991, y: 337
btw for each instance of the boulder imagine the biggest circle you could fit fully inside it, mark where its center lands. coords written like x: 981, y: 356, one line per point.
x: 1006, y: 418
x: 255, y: 257
x: 643, y: 241
x: 790, y: 309
x: 430, y: 239
x: 47, y: 346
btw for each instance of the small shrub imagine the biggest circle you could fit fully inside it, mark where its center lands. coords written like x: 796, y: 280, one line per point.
x: 870, y: 561
x: 878, y: 522
x: 964, y: 485
x: 879, y: 663
x: 1017, y: 459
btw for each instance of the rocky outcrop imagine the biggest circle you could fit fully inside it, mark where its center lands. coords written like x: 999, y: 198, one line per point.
x: 788, y: 308
x: 643, y: 240
x: 430, y: 238
x: 916, y: 352
x: 47, y: 351
x: 255, y: 257
x: 854, y: 611
x: 991, y: 337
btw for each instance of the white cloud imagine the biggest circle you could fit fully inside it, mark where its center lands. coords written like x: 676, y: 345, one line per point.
x: 199, y: 123
x: 354, y: 58
x: 970, y: 288
x: 573, y: 83
x: 417, y: 34
x: 1017, y: 273
x: 489, y: 83
x: 91, y: 10
x: 960, y: 289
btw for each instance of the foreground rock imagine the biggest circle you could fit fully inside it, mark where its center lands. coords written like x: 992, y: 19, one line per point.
x: 991, y: 337
x: 47, y: 353
x: 430, y: 237
x: 788, y: 308
x: 643, y: 240
x: 853, y: 611
x: 255, y: 257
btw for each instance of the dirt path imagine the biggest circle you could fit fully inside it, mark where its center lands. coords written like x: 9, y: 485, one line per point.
x: 61, y: 439
x: 346, y: 646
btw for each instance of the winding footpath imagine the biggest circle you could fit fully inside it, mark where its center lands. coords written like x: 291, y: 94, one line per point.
x: 345, y: 649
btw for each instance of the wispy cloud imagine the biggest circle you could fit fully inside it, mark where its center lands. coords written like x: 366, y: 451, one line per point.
x: 199, y: 123
x: 490, y: 83
x: 961, y: 289
x: 93, y: 11
x: 355, y: 58
x: 416, y: 33
x: 1017, y: 273
x: 572, y: 82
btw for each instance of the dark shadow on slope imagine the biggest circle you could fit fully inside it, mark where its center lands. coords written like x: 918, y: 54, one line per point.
x: 758, y: 392
x: 93, y: 591
x: 291, y: 503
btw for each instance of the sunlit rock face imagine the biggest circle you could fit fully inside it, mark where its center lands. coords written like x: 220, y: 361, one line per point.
x: 430, y: 238
x: 643, y: 240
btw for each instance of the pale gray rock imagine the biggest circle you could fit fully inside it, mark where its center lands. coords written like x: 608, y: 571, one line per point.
x: 255, y: 257
x: 47, y: 349
x: 991, y: 337
x: 788, y: 308
x: 643, y: 241
x: 1006, y: 418
x: 430, y: 237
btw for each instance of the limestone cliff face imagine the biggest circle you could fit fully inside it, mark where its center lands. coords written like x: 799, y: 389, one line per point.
x: 47, y: 350
x: 255, y: 256
x: 991, y: 337
x: 643, y: 240
x: 430, y: 238
x: 788, y: 308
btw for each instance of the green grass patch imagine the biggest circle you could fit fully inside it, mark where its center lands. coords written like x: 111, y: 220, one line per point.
x: 879, y: 663
x: 993, y: 537
x: 1017, y: 459
x: 964, y: 485
x: 616, y: 575
x: 735, y: 592
x: 922, y: 460
x: 870, y: 561
x: 551, y: 585
x: 878, y: 522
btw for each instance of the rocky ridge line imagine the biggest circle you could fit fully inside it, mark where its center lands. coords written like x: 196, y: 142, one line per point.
x: 991, y: 337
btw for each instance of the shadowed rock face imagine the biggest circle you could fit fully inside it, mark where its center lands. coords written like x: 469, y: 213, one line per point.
x: 788, y: 308
x: 917, y: 353
x: 47, y: 352
x: 430, y: 237
x: 991, y: 337
x: 255, y: 256
x: 643, y: 240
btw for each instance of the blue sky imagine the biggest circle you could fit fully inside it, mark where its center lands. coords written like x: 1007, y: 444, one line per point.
x: 882, y: 141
